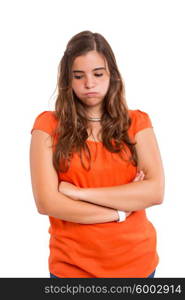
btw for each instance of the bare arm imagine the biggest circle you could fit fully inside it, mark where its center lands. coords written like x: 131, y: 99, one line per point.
x: 135, y: 195
x: 49, y: 200
x: 128, y: 197
x: 67, y: 209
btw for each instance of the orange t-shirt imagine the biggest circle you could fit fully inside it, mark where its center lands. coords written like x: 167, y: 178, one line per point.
x: 113, y: 249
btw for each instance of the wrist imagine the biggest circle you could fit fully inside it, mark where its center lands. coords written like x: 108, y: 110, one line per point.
x: 116, y: 216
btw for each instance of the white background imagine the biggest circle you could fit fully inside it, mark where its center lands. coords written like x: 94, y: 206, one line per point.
x: 147, y: 37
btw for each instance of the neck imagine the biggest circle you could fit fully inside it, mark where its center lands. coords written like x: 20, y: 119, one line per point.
x: 94, y: 115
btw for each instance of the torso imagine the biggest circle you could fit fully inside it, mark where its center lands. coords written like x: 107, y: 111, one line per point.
x: 96, y: 134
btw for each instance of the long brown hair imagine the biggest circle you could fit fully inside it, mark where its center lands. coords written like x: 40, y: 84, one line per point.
x: 72, y: 126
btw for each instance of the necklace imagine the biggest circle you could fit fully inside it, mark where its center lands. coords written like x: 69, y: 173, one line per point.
x: 94, y: 119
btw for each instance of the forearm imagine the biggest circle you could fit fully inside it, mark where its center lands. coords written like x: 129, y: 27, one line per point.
x: 128, y: 197
x: 67, y: 209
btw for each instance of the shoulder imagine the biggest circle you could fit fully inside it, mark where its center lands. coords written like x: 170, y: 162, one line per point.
x: 45, y: 121
x: 45, y: 115
x: 139, y: 121
x: 137, y: 113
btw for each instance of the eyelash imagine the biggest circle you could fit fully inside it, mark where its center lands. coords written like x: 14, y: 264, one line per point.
x: 79, y: 77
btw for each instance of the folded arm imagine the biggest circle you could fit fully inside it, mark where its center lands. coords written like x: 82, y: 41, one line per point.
x: 135, y: 195
x: 128, y: 197
x: 49, y: 200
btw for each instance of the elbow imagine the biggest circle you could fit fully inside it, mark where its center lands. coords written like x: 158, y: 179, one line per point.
x: 41, y: 211
x: 159, y: 200
x: 159, y: 194
x: 41, y: 208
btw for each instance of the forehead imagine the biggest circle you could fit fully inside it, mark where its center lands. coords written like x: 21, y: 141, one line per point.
x: 89, y: 61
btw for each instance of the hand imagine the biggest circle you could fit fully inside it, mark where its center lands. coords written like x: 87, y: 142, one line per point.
x: 69, y: 190
x: 139, y: 176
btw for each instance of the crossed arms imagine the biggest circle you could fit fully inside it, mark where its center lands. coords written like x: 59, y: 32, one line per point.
x: 95, y: 205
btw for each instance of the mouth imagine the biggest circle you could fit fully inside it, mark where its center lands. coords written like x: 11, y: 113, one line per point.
x: 91, y: 93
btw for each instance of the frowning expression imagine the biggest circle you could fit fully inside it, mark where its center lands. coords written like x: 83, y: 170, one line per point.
x: 90, y: 78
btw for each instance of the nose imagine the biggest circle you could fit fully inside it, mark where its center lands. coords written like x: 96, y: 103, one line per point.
x: 89, y: 82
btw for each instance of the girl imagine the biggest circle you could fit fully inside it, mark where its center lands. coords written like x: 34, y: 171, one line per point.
x: 95, y: 168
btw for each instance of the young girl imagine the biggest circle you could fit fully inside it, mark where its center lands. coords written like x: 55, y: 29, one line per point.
x: 95, y: 168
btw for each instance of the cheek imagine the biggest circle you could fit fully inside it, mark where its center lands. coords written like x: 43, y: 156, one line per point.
x: 105, y: 85
x: 76, y: 87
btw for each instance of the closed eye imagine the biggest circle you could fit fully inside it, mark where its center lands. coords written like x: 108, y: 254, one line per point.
x: 97, y: 75
x: 77, y: 77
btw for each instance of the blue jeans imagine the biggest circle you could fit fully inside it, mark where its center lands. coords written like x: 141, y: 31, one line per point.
x: 150, y: 276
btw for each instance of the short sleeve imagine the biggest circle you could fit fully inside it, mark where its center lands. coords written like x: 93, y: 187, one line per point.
x: 140, y: 121
x: 45, y: 121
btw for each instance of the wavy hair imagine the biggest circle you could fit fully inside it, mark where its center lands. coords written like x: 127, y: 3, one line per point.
x: 72, y: 126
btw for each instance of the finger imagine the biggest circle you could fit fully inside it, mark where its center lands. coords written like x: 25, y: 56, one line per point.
x: 138, y: 178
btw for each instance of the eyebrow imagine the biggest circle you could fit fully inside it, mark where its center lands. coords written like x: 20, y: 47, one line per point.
x: 79, y: 71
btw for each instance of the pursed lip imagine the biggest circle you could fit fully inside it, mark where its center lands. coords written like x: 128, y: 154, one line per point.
x: 91, y: 93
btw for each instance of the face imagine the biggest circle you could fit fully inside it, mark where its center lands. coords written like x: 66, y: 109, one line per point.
x: 90, y: 74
